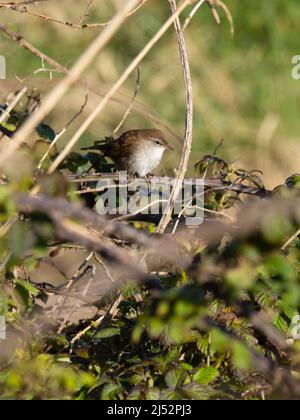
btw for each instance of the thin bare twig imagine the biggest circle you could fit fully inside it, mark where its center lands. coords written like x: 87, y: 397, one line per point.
x: 29, y: 47
x: 203, y: 209
x: 192, y: 14
x: 48, y: 289
x: 79, y: 273
x: 67, y: 24
x: 61, y: 133
x: 12, y: 104
x: 74, y: 309
x: 219, y: 3
x: 140, y: 211
x: 290, y: 240
x: 11, y: 4
x: 112, y: 312
x: 104, y: 266
x: 99, y: 322
x: 86, y: 11
x: 128, y: 110
x: 188, y: 137
x: 72, y: 25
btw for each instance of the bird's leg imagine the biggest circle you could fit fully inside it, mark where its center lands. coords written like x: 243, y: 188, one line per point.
x: 148, y: 180
x: 133, y: 177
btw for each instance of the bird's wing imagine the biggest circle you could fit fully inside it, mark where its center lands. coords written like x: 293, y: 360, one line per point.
x: 108, y: 147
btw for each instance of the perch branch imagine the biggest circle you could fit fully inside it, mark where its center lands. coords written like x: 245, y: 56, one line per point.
x: 213, y: 184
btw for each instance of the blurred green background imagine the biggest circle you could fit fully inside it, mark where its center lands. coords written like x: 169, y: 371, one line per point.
x: 243, y: 89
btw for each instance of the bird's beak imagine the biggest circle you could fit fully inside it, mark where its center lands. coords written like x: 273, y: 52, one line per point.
x: 170, y: 148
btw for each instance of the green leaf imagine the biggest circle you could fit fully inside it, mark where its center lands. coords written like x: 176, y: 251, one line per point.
x: 199, y: 392
x: 173, y: 378
x: 203, y: 345
x: 219, y: 341
x: 205, y: 376
x: 168, y: 394
x: 156, y: 327
x: 153, y: 394
x: 107, y: 333
x: 46, y: 132
x: 20, y: 239
x: 241, y: 356
x: 241, y: 277
x: 281, y: 324
x: 135, y: 394
x: 110, y: 391
x: 136, y: 379
x: 28, y: 286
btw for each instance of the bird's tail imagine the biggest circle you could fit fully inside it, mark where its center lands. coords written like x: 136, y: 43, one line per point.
x: 100, y: 145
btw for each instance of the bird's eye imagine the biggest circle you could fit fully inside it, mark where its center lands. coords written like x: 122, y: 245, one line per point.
x: 158, y: 143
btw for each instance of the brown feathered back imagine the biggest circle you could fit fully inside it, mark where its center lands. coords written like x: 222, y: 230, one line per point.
x: 113, y: 148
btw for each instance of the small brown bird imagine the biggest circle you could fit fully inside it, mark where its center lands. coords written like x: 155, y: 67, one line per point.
x: 138, y: 152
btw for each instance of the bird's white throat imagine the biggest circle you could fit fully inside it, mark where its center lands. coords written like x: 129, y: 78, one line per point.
x: 146, y: 159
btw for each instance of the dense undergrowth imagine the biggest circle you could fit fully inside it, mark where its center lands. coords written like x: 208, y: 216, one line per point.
x: 224, y: 326
x: 204, y: 313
